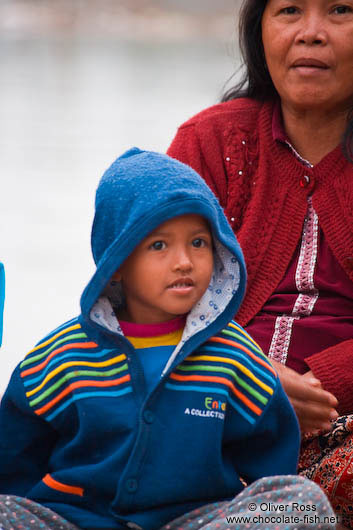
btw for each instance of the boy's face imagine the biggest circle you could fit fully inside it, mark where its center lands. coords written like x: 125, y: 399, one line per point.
x: 168, y: 272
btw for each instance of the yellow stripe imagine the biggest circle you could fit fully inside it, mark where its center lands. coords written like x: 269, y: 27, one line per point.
x: 243, y: 332
x: 235, y: 363
x: 75, y: 363
x: 170, y: 339
x: 43, y: 344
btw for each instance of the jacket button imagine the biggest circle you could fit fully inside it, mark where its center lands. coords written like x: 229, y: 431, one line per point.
x: 131, y: 485
x: 348, y: 262
x: 304, y: 181
x: 148, y: 416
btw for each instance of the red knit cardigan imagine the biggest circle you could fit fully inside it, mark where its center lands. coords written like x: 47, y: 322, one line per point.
x: 263, y: 189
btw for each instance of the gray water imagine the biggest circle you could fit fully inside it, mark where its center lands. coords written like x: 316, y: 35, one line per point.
x: 68, y: 107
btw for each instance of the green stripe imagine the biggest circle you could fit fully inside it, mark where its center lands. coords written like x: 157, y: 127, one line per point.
x: 235, y: 376
x: 52, y: 347
x: 253, y: 346
x: 242, y: 339
x: 76, y: 373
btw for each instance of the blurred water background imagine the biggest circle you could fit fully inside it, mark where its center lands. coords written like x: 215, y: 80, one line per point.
x: 82, y: 81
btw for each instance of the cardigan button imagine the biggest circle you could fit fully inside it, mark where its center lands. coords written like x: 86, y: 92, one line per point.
x: 348, y: 262
x: 304, y: 181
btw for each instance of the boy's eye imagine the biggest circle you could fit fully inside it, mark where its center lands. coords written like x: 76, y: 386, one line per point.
x: 198, y: 242
x: 158, y: 245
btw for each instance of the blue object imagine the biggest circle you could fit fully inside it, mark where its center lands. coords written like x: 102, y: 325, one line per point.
x: 2, y: 297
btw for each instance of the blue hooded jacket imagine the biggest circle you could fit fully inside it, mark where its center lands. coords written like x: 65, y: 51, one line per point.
x: 80, y: 432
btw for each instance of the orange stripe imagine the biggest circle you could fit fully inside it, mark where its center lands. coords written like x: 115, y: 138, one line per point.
x: 80, y: 384
x: 223, y: 381
x: 49, y: 481
x: 249, y: 352
x: 80, y: 345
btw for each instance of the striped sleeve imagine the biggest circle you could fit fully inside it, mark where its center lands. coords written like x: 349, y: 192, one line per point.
x: 231, y: 364
x: 66, y: 367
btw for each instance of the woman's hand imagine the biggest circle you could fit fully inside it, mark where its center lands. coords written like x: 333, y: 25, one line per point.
x: 314, y: 406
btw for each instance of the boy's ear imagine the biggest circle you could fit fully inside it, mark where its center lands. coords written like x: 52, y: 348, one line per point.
x: 117, y: 276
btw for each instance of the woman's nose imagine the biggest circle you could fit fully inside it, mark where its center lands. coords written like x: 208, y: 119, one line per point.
x: 312, y: 30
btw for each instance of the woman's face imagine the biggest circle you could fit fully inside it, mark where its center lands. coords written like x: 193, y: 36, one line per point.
x: 309, y: 52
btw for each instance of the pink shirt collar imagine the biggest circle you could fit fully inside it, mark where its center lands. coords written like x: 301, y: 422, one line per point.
x: 130, y: 329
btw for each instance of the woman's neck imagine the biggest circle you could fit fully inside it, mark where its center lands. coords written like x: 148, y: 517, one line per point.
x: 312, y: 133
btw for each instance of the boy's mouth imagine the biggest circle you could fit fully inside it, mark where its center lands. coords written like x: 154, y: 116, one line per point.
x: 181, y: 283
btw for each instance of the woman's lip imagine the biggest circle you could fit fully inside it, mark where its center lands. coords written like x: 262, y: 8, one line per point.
x: 309, y: 63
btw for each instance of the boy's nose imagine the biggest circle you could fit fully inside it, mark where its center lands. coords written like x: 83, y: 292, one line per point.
x: 182, y: 262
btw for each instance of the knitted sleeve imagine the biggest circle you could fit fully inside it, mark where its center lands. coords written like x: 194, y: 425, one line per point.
x: 273, y: 446
x: 261, y: 434
x: 26, y: 442
x: 334, y: 368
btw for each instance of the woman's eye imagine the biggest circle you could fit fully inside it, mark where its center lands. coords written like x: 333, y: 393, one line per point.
x: 158, y: 245
x: 342, y: 10
x: 290, y: 10
x: 198, y: 242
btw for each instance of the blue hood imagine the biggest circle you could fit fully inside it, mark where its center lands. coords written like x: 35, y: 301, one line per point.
x: 140, y: 191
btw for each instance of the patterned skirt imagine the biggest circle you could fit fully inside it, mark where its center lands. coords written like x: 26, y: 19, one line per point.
x: 327, y: 459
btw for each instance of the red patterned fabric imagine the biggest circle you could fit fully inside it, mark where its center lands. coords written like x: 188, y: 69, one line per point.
x: 328, y: 460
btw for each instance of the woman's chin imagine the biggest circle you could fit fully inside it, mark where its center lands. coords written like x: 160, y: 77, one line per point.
x: 316, y: 100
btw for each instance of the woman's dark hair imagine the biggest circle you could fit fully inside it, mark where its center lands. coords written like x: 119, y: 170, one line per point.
x: 256, y: 81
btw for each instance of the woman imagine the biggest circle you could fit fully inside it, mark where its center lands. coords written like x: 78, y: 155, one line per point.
x: 278, y: 152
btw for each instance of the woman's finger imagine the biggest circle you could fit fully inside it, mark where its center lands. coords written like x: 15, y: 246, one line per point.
x: 313, y: 416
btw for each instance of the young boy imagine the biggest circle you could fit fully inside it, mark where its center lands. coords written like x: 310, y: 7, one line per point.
x: 152, y: 403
